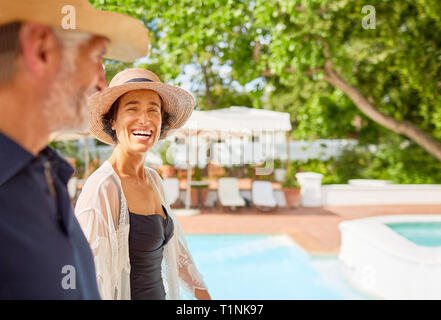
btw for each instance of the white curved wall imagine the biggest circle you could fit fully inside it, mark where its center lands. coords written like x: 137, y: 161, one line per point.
x: 384, y: 264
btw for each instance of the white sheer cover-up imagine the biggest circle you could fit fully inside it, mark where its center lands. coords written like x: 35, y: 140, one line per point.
x: 102, y: 212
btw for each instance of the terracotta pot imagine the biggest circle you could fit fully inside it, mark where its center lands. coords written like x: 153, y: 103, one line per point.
x: 194, y: 196
x: 215, y: 171
x: 292, y: 196
x: 167, y: 171
x: 204, y: 193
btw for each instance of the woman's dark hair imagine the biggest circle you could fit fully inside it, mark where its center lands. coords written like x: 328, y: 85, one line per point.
x: 111, y: 115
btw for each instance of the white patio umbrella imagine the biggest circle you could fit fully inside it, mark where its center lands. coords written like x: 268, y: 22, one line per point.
x: 236, y: 120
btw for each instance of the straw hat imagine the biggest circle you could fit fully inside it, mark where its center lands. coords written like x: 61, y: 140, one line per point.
x: 128, y: 37
x: 177, y: 102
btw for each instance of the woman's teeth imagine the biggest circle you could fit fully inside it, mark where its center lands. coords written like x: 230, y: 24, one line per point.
x: 142, y: 133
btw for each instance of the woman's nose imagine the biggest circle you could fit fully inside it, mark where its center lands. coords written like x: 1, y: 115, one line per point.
x: 144, y: 118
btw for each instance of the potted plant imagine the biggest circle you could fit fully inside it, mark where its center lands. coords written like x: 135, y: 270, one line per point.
x: 197, y: 174
x: 291, y: 188
x: 167, y: 169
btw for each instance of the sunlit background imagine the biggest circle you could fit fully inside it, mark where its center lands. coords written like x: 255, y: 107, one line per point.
x: 347, y: 202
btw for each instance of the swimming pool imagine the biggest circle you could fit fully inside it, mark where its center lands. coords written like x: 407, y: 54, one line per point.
x: 266, y: 267
x: 426, y: 234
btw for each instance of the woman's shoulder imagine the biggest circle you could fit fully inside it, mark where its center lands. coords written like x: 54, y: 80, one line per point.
x: 154, y: 173
x: 101, y: 188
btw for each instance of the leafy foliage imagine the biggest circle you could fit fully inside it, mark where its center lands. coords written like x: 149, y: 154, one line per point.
x: 399, y: 161
x: 278, y: 49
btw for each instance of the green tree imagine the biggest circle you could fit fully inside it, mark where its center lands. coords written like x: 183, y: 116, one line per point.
x: 335, y: 76
x: 390, y: 73
x: 186, y: 33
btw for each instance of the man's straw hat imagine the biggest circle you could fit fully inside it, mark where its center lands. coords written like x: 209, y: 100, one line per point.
x: 128, y: 37
x: 177, y: 102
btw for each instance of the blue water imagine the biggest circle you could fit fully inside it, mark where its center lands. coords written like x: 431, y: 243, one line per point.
x: 426, y: 234
x: 265, y: 267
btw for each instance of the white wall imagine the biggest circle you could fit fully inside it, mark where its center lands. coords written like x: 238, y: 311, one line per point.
x: 343, y: 194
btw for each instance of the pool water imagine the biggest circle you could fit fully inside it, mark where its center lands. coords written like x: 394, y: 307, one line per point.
x: 266, y: 267
x: 426, y: 234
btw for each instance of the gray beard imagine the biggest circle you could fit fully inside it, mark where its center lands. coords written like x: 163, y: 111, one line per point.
x: 65, y: 107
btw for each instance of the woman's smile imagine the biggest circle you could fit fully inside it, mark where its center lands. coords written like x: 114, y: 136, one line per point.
x: 142, y: 135
x: 138, y: 120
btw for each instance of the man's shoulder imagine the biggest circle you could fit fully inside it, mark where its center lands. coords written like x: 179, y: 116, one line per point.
x: 14, y: 158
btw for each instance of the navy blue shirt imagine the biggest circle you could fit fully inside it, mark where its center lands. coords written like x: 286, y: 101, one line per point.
x: 43, y: 251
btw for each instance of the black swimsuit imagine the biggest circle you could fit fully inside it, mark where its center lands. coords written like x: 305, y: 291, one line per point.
x: 147, y: 237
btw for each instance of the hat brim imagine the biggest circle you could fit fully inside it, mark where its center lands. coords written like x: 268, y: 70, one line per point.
x: 129, y: 38
x: 177, y: 102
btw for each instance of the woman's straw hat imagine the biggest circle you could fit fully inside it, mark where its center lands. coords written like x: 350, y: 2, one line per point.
x: 177, y: 102
x: 128, y: 37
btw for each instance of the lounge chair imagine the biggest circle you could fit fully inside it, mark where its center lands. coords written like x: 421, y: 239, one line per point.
x: 171, y: 189
x: 210, y: 199
x: 228, y: 193
x: 263, y: 195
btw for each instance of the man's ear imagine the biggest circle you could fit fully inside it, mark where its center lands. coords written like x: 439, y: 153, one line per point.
x: 41, y: 51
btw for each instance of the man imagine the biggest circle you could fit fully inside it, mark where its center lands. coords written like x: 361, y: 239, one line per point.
x: 50, y: 61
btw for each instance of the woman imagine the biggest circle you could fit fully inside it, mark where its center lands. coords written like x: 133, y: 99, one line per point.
x: 139, y: 249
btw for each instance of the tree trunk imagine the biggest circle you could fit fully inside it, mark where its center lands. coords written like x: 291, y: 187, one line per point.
x: 207, y: 85
x: 404, y: 127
